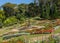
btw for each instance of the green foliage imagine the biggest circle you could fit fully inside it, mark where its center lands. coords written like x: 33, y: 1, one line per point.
x: 9, y: 9
x: 22, y: 8
x: 2, y: 18
x: 1, y: 24
x: 9, y: 5
x: 47, y: 9
x: 33, y: 10
x: 20, y: 17
x: 10, y: 21
x: 55, y: 11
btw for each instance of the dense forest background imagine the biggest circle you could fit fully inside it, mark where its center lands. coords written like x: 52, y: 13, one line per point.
x: 11, y: 14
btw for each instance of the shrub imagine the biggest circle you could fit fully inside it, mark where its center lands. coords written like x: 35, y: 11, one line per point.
x: 2, y: 17
x: 10, y: 21
x: 21, y: 17
x: 1, y: 24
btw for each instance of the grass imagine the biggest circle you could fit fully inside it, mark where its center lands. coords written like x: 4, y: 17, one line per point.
x: 4, y: 31
x: 36, y: 35
x: 57, y: 31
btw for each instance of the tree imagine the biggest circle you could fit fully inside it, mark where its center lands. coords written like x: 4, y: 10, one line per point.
x: 22, y: 8
x: 33, y: 10
x: 48, y: 9
x: 9, y: 9
x: 53, y: 9
x: 47, y: 13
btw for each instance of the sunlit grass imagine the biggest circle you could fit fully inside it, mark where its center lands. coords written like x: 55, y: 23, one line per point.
x: 57, y: 31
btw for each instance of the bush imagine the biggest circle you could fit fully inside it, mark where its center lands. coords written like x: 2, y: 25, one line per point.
x: 10, y: 21
x: 2, y: 16
x: 1, y: 24
x: 21, y: 17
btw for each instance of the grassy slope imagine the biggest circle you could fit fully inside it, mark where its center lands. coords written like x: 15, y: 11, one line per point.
x: 21, y: 37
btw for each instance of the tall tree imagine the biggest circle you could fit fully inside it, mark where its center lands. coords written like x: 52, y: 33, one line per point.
x: 9, y: 9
